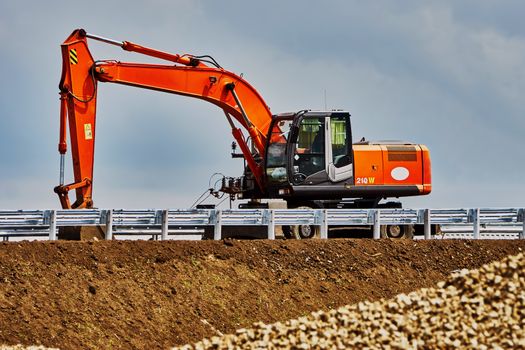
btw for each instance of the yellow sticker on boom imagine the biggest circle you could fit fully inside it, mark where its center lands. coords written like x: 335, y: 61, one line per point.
x: 88, y: 133
x: 73, y: 58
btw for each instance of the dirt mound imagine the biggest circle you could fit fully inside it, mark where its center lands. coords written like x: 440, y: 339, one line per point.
x: 136, y: 294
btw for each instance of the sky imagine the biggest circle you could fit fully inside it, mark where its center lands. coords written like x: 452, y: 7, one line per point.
x: 447, y: 74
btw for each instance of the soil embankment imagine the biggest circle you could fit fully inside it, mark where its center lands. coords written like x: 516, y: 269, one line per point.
x: 137, y: 294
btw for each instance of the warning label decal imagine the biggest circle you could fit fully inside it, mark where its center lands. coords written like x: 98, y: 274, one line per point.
x: 73, y: 59
x: 88, y: 134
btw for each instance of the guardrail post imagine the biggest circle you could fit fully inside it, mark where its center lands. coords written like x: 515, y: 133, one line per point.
x: 522, y: 215
x: 217, y: 231
x: 324, y: 224
x: 475, y: 223
x: 109, y: 224
x: 271, y: 225
x: 53, y: 225
x: 377, y: 224
x: 164, y: 226
x: 428, y: 226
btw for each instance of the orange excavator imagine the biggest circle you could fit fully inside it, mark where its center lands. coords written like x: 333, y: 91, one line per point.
x: 306, y: 158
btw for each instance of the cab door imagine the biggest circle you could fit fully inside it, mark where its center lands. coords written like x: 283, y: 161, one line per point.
x: 322, y: 150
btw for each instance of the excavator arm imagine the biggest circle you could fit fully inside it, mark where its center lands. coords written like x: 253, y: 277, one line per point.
x: 189, y: 76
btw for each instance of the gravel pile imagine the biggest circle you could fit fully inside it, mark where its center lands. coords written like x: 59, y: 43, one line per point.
x: 473, y: 309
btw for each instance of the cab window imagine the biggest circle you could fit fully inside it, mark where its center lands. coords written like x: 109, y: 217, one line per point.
x: 276, y: 152
x: 340, y: 141
x: 309, y: 154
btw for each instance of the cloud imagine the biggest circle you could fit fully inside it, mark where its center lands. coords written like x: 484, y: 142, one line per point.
x: 447, y: 74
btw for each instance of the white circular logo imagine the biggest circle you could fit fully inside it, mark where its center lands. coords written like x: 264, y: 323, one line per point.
x: 400, y: 173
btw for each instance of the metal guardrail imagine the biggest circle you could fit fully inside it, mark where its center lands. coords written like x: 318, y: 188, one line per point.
x: 507, y: 223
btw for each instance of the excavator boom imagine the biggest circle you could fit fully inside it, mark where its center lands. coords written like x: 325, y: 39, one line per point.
x: 189, y: 77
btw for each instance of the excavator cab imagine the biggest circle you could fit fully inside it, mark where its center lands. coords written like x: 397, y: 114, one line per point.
x: 310, y: 156
x: 308, y: 149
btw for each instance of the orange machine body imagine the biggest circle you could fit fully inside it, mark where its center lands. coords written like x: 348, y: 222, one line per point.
x: 392, y: 165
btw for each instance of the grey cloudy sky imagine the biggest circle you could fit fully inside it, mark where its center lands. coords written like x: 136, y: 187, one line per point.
x: 448, y: 74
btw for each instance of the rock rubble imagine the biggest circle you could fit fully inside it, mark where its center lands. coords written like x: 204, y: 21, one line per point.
x: 472, y: 309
